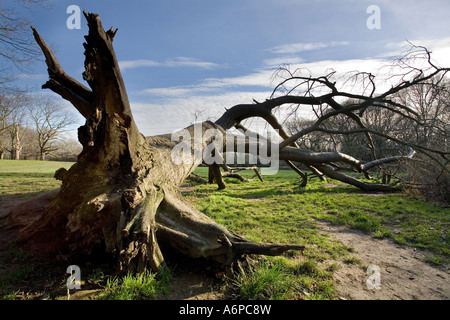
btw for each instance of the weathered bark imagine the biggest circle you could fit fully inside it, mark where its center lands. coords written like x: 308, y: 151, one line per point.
x: 232, y: 173
x: 194, y: 177
x: 215, y: 176
x: 214, y: 171
x: 122, y: 194
x: 16, y: 144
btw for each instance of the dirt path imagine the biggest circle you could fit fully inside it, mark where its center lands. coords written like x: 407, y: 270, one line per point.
x: 403, y: 274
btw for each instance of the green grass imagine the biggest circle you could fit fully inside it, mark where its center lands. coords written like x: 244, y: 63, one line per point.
x: 15, y: 270
x: 279, y: 211
x: 276, y: 211
x: 23, y: 179
x: 282, y: 278
x: 266, y: 282
x: 141, y: 286
x: 20, y: 180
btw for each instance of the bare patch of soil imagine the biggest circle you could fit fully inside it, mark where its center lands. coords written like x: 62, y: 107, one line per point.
x: 194, y: 286
x: 193, y: 279
x: 403, y: 274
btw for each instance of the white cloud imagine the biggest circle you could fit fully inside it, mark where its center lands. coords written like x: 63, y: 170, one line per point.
x: 177, y: 104
x: 175, y: 91
x: 130, y: 64
x: 280, y: 61
x: 154, y: 119
x: 174, y: 113
x: 440, y: 49
x: 190, y: 62
x: 216, y: 86
x: 176, y: 62
x: 300, y: 47
x: 259, y: 78
x: 167, y: 92
x: 423, y: 18
x: 32, y: 76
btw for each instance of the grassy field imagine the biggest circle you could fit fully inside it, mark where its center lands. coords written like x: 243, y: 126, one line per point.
x: 25, y: 178
x: 277, y: 211
x: 279, y: 208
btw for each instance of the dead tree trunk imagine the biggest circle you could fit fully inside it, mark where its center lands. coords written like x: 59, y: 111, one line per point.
x: 122, y: 194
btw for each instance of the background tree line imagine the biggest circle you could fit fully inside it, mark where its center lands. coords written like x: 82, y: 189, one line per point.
x: 429, y: 101
x: 33, y: 127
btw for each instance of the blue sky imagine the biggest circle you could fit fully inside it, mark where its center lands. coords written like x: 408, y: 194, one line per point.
x: 180, y: 57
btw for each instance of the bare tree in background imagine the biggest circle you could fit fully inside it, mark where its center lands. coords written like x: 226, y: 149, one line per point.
x: 33, y: 124
x: 17, y: 48
x: 49, y: 120
x: 429, y: 128
x: 353, y: 104
x: 431, y: 101
x: 12, y: 121
x: 68, y: 149
x: 28, y: 140
x: 4, y: 144
x: 8, y: 107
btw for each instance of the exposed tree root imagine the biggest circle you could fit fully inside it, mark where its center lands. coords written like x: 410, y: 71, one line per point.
x: 196, y: 235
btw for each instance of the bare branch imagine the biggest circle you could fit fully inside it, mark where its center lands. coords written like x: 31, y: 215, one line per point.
x: 367, y: 166
x: 62, y: 84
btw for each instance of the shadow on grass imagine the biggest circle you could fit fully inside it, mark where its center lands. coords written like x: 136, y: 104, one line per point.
x: 31, y: 175
x: 249, y: 191
x: 12, y: 197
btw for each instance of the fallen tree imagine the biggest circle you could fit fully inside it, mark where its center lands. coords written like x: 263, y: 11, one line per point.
x: 122, y: 195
